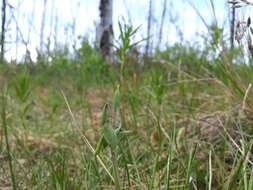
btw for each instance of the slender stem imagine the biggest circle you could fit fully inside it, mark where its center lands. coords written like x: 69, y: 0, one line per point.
x: 116, y: 172
x: 4, y: 124
x: 210, y: 171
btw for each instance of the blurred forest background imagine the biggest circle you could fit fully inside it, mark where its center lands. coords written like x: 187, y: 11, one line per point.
x: 36, y: 27
x: 126, y: 94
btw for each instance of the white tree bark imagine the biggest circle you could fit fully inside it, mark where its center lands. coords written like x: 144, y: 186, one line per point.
x: 105, y: 28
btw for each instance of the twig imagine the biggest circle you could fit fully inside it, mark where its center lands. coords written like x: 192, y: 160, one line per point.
x: 210, y: 171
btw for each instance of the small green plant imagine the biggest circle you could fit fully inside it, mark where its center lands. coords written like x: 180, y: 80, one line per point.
x: 116, y: 138
x: 158, y: 86
x: 22, y: 87
x: 190, y: 167
x: 126, y: 44
x: 58, y: 171
x: 90, y: 67
x: 110, y: 138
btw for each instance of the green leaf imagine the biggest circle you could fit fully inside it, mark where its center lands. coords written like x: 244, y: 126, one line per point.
x: 116, y: 98
x: 22, y: 87
x: 105, y: 114
x: 102, y: 144
x: 111, y: 138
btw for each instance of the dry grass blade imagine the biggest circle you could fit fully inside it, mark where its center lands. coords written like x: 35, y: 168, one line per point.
x: 214, y: 13
x: 85, y: 138
x: 198, y: 13
x: 210, y: 170
x: 245, y: 97
x: 160, y: 125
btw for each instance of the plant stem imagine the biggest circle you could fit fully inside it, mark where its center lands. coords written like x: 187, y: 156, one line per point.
x: 4, y: 124
x: 116, y: 173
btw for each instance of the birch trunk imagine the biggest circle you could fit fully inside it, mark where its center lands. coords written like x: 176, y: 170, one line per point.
x: 3, y: 30
x: 105, y: 29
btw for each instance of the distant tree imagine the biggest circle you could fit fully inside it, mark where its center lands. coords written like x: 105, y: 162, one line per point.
x: 150, y: 16
x: 3, y: 29
x: 52, y: 12
x: 17, y: 32
x: 73, y: 24
x: 42, y: 57
x: 232, y: 23
x: 162, y: 23
x: 56, y: 30
x: 43, y: 25
x: 27, y: 56
x: 237, y: 29
x: 105, y: 28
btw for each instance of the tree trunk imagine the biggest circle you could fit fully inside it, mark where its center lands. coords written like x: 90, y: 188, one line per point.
x: 56, y: 30
x: 105, y: 30
x: 162, y: 23
x: 17, y: 33
x: 232, y: 25
x: 52, y: 13
x: 3, y: 30
x: 150, y: 15
x: 43, y: 25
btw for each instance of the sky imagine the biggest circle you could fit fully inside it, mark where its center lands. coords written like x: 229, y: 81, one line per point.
x: 85, y: 15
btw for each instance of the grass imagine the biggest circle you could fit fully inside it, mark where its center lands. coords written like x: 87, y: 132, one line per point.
x: 181, y: 121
